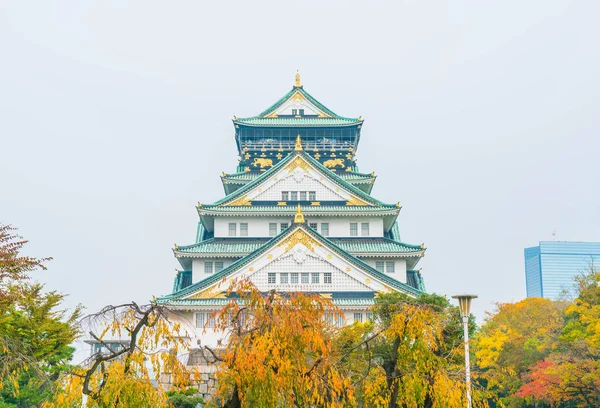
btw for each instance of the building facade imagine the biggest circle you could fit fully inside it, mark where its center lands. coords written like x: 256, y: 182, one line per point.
x: 551, y: 267
x: 297, y: 215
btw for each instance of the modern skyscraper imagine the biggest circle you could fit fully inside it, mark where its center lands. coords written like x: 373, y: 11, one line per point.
x: 297, y: 216
x: 551, y: 267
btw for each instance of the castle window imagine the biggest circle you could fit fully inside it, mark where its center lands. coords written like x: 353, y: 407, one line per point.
x: 364, y: 229
x: 327, y: 277
x: 294, y: 277
x: 243, y: 229
x: 304, y: 277
x: 312, y: 195
x: 370, y: 317
x: 218, y: 266
x: 301, y: 112
x: 358, y: 317
x: 271, y: 278
x: 379, y: 265
x: 353, y: 229
x: 272, y: 229
x: 339, y: 320
x: 294, y: 196
x: 313, y: 225
x: 284, y: 226
x: 285, y: 195
x: 232, y: 229
x: 208, y: 267
x: 294, y: 112
x: 283, y: 278
x: 390, y: 267
x: 325, y: 229
x: 200, y: 320
x: 302, y: 195
x: 315, y: 278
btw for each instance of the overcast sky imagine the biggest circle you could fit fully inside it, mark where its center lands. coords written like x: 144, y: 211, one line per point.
x: 482, y: 119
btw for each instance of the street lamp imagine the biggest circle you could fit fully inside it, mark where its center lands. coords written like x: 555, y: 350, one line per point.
x: 464, y: 304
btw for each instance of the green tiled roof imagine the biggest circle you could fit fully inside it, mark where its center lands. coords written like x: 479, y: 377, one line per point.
x: 242, y: 246
x: 300, y: 122
x: 324, y: 170
x: 216, y: 277
x: 276, y: 210
x: 306, y: 95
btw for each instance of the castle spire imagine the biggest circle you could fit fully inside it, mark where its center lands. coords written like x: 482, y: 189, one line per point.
x: 299, y: 218
x: 297, y: 85
x: 298, y: 147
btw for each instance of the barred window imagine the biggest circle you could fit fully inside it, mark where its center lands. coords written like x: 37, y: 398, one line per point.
x: 210, y: 320
x: 208, y: 267
x: 284, y: 226
x: 312, y: 195
x: 283, y: 278
x: 364, y: 229
x: 370, y: 317
x: 325, y: 229
x: 353, y: 229
x: 379, y: 266
x: 232, y: 229
x: 302, y: 195
x: 313, y: 225
x: 272, y: 229
x: 294, y: 196
x: 327, y: 277
x: 271, y: 278
x: 339, y: 320
x: 294, y: 277
x: 315, y: 278
x: 390, y: 267
x: 304, y: 277
x: 358, y: 317
x: 243, y: 229
x: 285, y: 195
x: 200, y: 320
x: 218, y: 266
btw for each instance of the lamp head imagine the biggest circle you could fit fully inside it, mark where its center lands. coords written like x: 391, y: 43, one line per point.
x: 464, y: 303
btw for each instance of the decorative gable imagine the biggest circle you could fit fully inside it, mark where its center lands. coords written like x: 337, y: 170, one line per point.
x: 299, y: 260
x: 297, y: 104
x: 299, y: 175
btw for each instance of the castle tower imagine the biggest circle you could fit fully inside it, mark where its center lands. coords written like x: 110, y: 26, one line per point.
x: 296, y: 216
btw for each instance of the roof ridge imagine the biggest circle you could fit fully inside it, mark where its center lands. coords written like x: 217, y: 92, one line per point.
x: 269, y: 244
x: 327, y: 172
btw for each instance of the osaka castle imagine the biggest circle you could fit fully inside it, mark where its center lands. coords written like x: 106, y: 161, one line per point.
x: 297, y: 215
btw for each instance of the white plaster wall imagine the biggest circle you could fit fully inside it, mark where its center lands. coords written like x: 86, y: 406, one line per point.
x: 339, y: 227
x: 210, y: 337
x: 399, y: 267
x: 198, y: 273
x: 324, y: 190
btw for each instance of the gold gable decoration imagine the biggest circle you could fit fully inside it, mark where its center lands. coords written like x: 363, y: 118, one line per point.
x: 210, y: 293
x: 297, y: 162
x: 354, y: 201
x: 299, y: 218
x: 240, y: 202
x: 300, y: 237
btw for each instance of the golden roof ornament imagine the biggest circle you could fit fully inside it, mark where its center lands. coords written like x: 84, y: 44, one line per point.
x: 299, y: 218
x: 297, y: 85
x: 298, y: 147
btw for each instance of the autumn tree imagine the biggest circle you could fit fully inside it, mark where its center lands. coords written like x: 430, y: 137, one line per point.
x: 409, y: 355
x: 129, y: 376
x: 280, y: 351
x: 35, y: 335
x: 570, y: 375
x: 513, y: 340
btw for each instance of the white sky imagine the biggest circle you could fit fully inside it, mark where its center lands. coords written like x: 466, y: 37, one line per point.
x: 115, y: 119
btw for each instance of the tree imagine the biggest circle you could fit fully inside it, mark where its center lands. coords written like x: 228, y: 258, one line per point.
x: 129, y: 376
x: 517, y: 337
x: 35, y: 336
x: 279, y: 353
x: 409, y: 355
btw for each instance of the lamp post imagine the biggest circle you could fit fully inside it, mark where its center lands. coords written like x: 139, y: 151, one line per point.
x: 464, y: 304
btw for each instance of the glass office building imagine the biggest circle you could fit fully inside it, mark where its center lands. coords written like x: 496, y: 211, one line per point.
x: 551, y: 267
